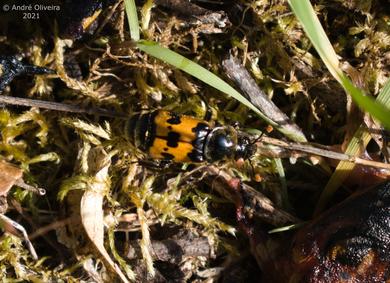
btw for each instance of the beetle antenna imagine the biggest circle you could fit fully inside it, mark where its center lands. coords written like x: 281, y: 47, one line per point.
x: 257, y: 139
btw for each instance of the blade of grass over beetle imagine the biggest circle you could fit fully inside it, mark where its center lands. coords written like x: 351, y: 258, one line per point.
x: 358, y: 143
x: 199, y: 72
x: 132, y: 18
x: 312, y: 26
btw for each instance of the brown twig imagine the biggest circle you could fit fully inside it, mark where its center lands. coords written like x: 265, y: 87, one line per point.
x: 172, y: 250
x: 50, y: 105
x: 257, y: 204
x: 52, y: 226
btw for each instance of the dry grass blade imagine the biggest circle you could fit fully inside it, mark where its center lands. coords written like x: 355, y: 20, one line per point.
x: 307, y: 148
x: 238, y: 74
x: 56, y: 106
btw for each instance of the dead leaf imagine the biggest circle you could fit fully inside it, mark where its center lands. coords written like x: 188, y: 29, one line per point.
x: 17, y: 230
x: 9, y: 174
x: 91, y: 206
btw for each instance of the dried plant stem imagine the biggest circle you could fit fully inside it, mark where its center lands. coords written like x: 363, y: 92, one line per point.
x: 57, y: 106
x: 307, y: 148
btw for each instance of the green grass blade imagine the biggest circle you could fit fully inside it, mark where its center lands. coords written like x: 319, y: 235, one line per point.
x: 378, y: 110
x: 199, y: 72
x: 314, y: 31
x: 283, y: 183
x: 312, y: 26
x: 132, y: 18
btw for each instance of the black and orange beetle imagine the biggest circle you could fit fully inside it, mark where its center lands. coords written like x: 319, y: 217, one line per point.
x: 179, y: 138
